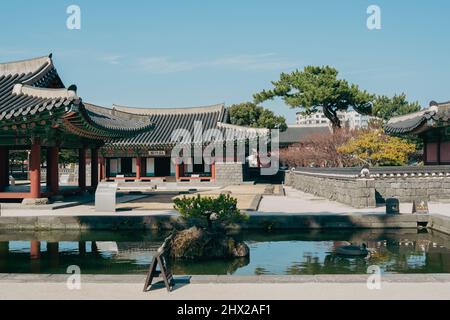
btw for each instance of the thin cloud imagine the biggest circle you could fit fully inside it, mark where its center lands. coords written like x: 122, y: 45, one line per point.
x: 256, y: 62
x: 111, y: 59
x: 164, y: 65
x: 267, y: 61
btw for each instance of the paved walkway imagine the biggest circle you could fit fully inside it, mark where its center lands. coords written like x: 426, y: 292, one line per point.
x: 299, y: 202
x: 294, y: 202
x: 406, y: 287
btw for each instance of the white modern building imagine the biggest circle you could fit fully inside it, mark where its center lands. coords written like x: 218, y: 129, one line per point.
x: 350, y: 119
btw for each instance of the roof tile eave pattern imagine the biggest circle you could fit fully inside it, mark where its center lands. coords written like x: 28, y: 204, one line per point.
x: 30, y: 86
x: 413, y: 122
x: 203, y: 125
x: 114, y: 120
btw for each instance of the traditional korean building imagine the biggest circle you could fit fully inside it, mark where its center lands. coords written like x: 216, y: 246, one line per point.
x: 432, y: 124
x: 147, y: 156
x: 38, y: 113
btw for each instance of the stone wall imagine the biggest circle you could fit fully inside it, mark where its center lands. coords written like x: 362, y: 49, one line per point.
x: 229, y: 172
x: 406, y: 189
x: 362, y: 193
x: 358, y: 193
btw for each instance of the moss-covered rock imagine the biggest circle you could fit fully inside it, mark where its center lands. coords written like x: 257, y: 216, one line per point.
x: 197, y: 243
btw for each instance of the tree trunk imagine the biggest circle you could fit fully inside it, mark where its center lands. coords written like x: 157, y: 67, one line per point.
x: 332, y: 116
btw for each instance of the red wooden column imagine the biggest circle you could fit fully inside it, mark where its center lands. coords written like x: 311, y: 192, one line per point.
x: 138, y: 168
x: 213, y: 170
x: 94, y: 168
x: 35, y: 169
x: 4, y: 168
x: 105, y: 161
x: 102, y: 170
x: 177, y: 171
x: 82, y: 168
x: 53, y: 169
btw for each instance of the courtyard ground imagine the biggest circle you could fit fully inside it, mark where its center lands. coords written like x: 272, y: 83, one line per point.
x: 271, y: 201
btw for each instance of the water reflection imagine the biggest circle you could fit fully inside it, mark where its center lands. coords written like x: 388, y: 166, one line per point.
x: 294, y: 252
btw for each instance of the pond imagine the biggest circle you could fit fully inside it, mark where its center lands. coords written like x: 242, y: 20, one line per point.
x: 271, y: 253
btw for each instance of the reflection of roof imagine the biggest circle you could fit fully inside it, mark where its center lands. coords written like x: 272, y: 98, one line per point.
x: 32, y: 90
x: 295, y: 134
x: 211, y: 122
x: 438, y: 114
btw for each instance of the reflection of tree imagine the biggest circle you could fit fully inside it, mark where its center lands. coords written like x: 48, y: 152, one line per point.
x: 332, y: 264
x: 260, y: 271
x: 310, y: 265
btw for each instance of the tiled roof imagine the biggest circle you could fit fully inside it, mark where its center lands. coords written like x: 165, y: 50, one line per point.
x: 437, y: 113
x: 19, y: 83
x: 167, y: 120
x: 117, y: 120
x: 32, y: 87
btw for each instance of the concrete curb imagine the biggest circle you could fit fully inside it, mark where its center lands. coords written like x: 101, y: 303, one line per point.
x: 256, y: 221
x: 222, y: 279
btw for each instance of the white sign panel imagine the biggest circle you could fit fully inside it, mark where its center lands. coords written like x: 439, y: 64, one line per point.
x: 157, y: 153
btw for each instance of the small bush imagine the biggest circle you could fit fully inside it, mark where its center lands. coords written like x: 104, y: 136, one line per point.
x: 208, y: 210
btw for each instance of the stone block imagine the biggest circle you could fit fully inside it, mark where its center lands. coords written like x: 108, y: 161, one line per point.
x: 35, y: 202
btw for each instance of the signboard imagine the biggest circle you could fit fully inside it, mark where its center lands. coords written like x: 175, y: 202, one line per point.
x: 157, y: 153
x: 105, y: 197
x: 161, y: 260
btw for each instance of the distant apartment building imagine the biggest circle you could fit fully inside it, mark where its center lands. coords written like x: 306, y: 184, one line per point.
x: 350, y: 119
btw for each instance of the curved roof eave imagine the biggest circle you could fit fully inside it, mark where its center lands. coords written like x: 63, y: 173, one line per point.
x: 114, y: 121
x: 25, y: 66
x: 163, y: 111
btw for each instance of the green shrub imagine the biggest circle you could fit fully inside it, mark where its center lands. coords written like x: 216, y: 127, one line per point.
x: 207, y: 210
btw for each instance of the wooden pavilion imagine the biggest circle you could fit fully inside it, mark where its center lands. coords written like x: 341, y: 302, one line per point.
x: 38, y: 113
x: 432, y: 125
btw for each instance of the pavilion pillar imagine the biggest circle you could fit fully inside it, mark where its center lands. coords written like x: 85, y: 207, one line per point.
x: 35, y: 169
x: 213, y: 170
x: 82, y: 168
x: 53, y: 170
x: 102, y: 170
x: 94, y: 168
x: 138, y: 168
x: 177, y: 171
x: 4, y: 168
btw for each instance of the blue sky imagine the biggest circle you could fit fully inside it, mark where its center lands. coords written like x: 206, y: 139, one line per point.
x: 190, y: 53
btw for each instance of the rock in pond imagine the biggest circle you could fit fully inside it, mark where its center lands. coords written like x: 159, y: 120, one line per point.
x: 197, y: 243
